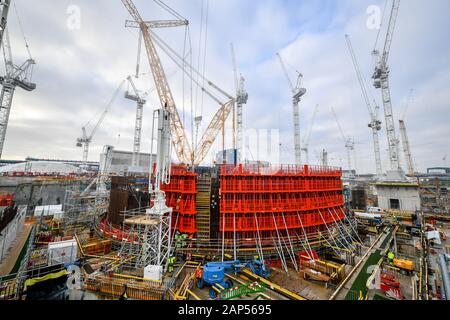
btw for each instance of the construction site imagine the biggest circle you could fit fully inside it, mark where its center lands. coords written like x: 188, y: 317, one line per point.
x: 192, y: 217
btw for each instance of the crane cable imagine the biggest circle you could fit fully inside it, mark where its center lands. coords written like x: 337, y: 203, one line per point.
x: 199, y: 54
x: 204, y: 53
x: 23, y: 33
x: 173, y: 55
x: 187, y: 35
x: 169, y: 9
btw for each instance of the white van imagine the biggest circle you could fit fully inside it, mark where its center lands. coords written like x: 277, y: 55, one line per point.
x: 374, y: 210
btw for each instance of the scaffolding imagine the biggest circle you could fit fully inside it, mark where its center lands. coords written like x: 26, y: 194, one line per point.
x: 148, y: 241
x: 85, y: 206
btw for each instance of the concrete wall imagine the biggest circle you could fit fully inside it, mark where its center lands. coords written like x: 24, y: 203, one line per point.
x: 9, y: 234
x: 32, y: 193
x: 121, y: 161
x: 408, y: 196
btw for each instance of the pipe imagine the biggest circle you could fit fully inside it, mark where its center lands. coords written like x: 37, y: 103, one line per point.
x: 445, y: 276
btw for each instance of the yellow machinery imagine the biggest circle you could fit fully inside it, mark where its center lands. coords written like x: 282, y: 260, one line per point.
x: 404, y: 264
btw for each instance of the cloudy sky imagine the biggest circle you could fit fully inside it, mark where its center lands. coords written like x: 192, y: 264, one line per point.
x: 78, y: 70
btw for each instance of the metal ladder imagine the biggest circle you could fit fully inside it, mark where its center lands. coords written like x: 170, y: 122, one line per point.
x: 202, y: 206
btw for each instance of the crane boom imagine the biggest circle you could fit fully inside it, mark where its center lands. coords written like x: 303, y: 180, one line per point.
x: 339, y: 124
x: 359, y: 75
x: 180, y: 141
x: 374, y: 124
x: 212, y: 131
x: 406, y: 148
x: 390, y: 31
x: 286, y: 74
x: 108, y: 106
x: 85, y: 140
x: 157, y: 24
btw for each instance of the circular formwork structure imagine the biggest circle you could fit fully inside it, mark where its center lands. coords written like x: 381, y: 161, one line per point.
x: 256, y: 209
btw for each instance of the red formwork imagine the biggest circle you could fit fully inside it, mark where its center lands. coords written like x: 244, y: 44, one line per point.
x: 184, y: 223
x: 272, y: 198
x: 180, y: 195
x: 6, y: 200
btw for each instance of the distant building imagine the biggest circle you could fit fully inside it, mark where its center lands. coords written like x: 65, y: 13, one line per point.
x: 231, y: 156
x: 441, y: 171
x: 39, y: 167
x: 121, y: 163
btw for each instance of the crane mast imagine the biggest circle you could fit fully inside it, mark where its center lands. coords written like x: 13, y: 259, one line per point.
x: 297, y: 93
x: 374, y: 124
x: 241, y: 99
x: 180, y: 141
x: 381, y: 81
x: 16, y: 76
x: 406, y: 148
x: 135, y: 160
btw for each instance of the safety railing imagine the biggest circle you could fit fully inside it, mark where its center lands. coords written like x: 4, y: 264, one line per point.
x: 261, y: 169
x: 275, y: 184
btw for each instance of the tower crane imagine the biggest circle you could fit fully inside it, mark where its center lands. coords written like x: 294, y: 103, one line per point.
x: 406, y: 148
x: 16, y: 76
x: 140, y: 101
x: 182, y: 147
x: 305, y: 147
x: 85, y: 140
x: 381, y: 81
x: 241, y: 99
x: 349, y: 143
x: 297, y: 93
x: 180, y: 141
x: 375, y: 123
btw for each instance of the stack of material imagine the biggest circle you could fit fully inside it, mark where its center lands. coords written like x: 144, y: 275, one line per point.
x: 97, y: 246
